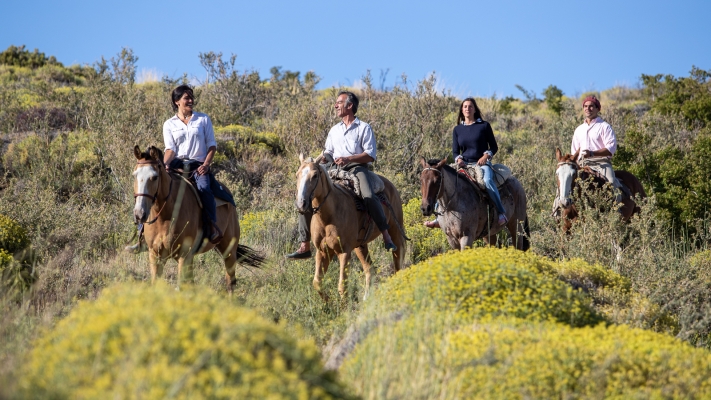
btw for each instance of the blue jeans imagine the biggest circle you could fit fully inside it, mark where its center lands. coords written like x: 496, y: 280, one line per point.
x: 491, y: 187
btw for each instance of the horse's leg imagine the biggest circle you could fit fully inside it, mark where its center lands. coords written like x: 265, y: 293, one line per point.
x: 228, y: 250
x: 185, y: 269
x: 466, y: 241
x: 399, y: 241
x: 364, y: 257
x: 343, y: 259
x: 156, y: 265
x: 323, y: 258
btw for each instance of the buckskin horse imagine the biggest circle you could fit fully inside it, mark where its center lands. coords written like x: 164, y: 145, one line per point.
x: 173, y: 223
x: 465, y: 214
x: 569, y: 175
x: 338, y: 228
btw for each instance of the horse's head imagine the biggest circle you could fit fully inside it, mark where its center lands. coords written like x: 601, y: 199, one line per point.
x: 147, y: 183
x: 307, y: 181
x: 431, y: 183
x: 565, y: 175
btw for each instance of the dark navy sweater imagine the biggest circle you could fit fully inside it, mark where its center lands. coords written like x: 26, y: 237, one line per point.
x: 471, y: 141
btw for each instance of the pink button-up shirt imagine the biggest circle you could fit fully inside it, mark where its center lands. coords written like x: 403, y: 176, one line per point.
x: 598, y: 135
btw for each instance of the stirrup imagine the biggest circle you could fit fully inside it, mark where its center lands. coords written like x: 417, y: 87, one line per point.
x: 503, y: 220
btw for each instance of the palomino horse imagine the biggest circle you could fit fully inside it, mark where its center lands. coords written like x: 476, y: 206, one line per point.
x: 337, y: 228
x: 173, y: 222
x: 466, y: 215
x: 568, y: 177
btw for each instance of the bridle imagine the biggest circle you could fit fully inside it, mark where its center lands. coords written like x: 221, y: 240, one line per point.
x: 154, y: 198
x: 314, y: 210
x: 439, y: 189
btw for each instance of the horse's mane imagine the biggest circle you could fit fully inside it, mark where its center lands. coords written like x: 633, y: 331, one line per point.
x: 433, y: 162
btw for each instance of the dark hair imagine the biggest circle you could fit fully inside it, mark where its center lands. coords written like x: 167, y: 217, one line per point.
x: 477, y: 111
x: 178, y: 94
x: 351, y: 99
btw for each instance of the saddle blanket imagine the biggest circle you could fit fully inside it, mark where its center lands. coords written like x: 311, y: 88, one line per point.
x: 476, y: 174
x: 340, y: 175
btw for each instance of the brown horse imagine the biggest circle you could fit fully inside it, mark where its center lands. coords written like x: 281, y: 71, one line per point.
x: 337, y: 228
x: 465, y: 213
x: 569, y: 176
x: 173, y: 223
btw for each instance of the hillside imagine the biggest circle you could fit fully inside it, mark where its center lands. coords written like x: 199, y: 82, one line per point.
x: 66, y: 197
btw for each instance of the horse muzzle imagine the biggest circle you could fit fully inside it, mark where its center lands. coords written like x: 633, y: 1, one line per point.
x: 139, y: 215
x: 301, y: 205
x: 427, y: 209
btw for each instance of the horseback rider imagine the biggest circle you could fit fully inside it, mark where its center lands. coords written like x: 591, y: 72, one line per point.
x: 473, y: 142
x: 351, y: 146
x: 597, y: 143
x: 190, y: 144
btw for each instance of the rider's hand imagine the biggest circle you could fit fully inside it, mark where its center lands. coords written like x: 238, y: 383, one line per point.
x: 461, y: 163
x: 483, y: 160
x: 341, y: 161
x: 203, y: 169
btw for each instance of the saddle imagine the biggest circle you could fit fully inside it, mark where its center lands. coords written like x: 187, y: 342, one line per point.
x: 349, y: 182
x: 476, y: 175
x: 222, y: 196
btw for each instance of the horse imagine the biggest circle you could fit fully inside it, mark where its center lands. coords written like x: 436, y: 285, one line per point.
x: 466, y: 214
x: 173, y: 223
x: 338, y: 228
x: 569, y: 175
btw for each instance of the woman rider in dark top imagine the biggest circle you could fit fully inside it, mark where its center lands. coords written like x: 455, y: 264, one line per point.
x: 473, y: 142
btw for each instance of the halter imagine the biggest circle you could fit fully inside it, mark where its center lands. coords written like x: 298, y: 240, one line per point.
x: 154, y: 198
x: 311, y: 195
x: 441, y: 183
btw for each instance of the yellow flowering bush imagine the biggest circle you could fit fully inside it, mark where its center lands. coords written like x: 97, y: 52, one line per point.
x: 518, y: 360
x: 13, y: 237
x: 137, y: 341
x: 486, y: 282
x: 425, y: 242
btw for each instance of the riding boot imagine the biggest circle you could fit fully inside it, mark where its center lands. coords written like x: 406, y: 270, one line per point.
x: 140, y: 246
x: 215, y: 234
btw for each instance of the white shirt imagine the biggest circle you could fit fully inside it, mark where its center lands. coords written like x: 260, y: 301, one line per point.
x: 191, y: 140
x: 596, y: 136
x: 356, y: 139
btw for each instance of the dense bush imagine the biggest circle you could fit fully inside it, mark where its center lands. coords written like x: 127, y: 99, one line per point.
x: 486, y: 282
x: 449, y: 325
x: 140, y: 342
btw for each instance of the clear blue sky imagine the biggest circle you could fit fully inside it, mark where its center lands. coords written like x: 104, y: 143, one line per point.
x: 474, y: 47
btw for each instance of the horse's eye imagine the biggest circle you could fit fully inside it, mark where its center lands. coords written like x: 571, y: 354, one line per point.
x: 153, y: 178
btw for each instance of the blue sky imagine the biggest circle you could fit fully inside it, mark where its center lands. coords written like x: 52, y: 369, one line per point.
x: 480, y: 48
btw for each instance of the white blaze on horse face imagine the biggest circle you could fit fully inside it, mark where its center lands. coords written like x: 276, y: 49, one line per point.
x: 565, y: 174
x: 301, y: 195
x: 144, y: 176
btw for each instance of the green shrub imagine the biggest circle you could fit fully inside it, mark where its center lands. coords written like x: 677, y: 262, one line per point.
x: 137, y: 341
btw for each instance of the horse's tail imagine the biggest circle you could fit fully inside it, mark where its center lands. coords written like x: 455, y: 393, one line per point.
x: 249, y: 256
x: 526, y: 242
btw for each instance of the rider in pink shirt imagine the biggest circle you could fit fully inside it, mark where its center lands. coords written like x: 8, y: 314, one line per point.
x: 596, y: 142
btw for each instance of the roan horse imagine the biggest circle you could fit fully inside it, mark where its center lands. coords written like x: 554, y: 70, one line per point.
x: 337, y: 228
x: 466, y: 215
x: 173, y: 222
x: 569, y: 176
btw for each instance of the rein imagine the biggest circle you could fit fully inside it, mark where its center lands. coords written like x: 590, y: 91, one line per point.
x: 311, y: 195
x: 154, y: 198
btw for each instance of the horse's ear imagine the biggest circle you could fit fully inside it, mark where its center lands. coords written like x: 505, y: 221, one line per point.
x: 575, y: 156
x: 301, y: 157
x: 155, y: 153
x: 423, y: 162
x: 558, y: 154
x: 137, y: 152
x: 441, y: 163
